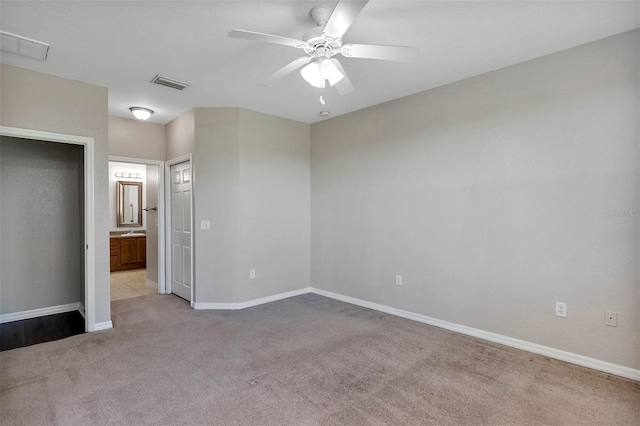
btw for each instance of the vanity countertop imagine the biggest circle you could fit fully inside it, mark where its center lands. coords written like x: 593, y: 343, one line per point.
x: 127, y: 235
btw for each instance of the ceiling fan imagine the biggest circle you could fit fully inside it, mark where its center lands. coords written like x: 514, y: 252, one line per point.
x: 323, y: 42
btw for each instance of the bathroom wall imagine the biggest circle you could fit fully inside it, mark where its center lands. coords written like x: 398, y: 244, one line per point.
x: 151, y: 219
x: 115, y: 167
x: 36, y: 101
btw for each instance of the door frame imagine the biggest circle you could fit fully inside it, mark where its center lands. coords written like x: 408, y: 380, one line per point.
x: 168, y: 251
x: 161, y: 228
x: 87, y: 144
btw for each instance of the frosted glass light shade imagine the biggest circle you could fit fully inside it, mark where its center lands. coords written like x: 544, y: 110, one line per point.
x: 312, y: 75
x: 330, y: 72
x: 316, y: 73
x: 141, y: 113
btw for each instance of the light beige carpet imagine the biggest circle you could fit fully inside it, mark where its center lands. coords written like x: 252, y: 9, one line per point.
x: 307, y: 360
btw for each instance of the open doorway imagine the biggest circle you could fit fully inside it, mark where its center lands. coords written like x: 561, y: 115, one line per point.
x: 78, y: 233
x: 136, y: 227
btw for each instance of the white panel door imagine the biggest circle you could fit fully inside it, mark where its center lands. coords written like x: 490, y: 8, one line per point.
x: 181, y: 230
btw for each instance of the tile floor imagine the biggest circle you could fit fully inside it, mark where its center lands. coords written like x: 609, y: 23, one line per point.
x: 127, y: 284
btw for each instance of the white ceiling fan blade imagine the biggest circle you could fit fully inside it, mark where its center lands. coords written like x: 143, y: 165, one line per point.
x: 345, y: 12
x: 344, y: 86
x: 290, y: 67
x: 372, y: 51
x: 266, y: 38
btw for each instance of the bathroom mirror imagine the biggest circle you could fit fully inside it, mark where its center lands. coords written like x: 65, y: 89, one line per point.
x: 129, y: 203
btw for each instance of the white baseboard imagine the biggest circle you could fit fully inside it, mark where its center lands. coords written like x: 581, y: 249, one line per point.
x: 105, y: 325
x: 82, y: 310
x: 41, y: 312
x: 596, y: 364
x: 584, y: 361
x: 250, y: 303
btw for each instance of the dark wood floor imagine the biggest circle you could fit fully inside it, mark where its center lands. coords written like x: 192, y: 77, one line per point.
x: 31, y: 331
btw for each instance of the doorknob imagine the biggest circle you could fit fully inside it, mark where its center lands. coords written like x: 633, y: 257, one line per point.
x: 155, y: 209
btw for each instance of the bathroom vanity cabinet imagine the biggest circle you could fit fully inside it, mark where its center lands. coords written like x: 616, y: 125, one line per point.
x: 128, y: 252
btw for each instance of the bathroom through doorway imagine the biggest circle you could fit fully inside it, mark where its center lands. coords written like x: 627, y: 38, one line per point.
x: 136, y: 227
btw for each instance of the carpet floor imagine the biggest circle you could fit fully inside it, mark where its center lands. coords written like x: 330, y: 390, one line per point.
x: 307, y: 360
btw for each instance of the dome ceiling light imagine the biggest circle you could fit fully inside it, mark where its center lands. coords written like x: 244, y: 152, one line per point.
x: 141, y: 113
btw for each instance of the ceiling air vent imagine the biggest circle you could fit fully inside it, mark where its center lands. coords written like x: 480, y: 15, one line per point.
x: 23, y: 46
x: 169, y: 82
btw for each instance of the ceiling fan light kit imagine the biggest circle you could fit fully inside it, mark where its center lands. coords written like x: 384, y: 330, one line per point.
x: 312, y: 75
x: 323, y: 42
x: 316, y: 73
x: 330, y: 72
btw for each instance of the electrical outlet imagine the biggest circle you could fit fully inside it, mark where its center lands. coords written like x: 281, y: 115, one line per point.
x: 205, y: 225
x: 611, y: 319
x: 561, y: 309
x: 398, y: 279
x: 252, y: 273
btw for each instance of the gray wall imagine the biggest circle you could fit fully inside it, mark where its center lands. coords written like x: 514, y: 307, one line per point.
x: 41, y: 254
x: 216, y: 196
x: 492, y: 197
x: 36, y: 101
x: 251, y: 180
x: 274, y: 234
x: 180, y: 136
x: 136, y: 139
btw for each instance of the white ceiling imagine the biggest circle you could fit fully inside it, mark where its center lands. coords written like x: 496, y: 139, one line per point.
x: 122, y: 45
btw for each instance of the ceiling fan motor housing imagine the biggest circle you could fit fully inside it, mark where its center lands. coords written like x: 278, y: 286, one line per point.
x: 315, y: 38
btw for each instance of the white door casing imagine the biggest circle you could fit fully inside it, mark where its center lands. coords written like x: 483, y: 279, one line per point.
x: 89, y: 214
x: 181, y: 230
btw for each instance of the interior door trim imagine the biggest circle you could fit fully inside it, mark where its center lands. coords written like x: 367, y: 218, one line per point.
x: 89, y: 213
x: 167, y: 208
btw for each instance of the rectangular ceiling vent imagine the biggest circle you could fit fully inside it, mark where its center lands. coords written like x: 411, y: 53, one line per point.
x: 169, y: 82
x: 23, y: 46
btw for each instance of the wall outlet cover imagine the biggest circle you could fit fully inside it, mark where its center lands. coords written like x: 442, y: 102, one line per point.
x: 561, y: 309
x: 611, y: 319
